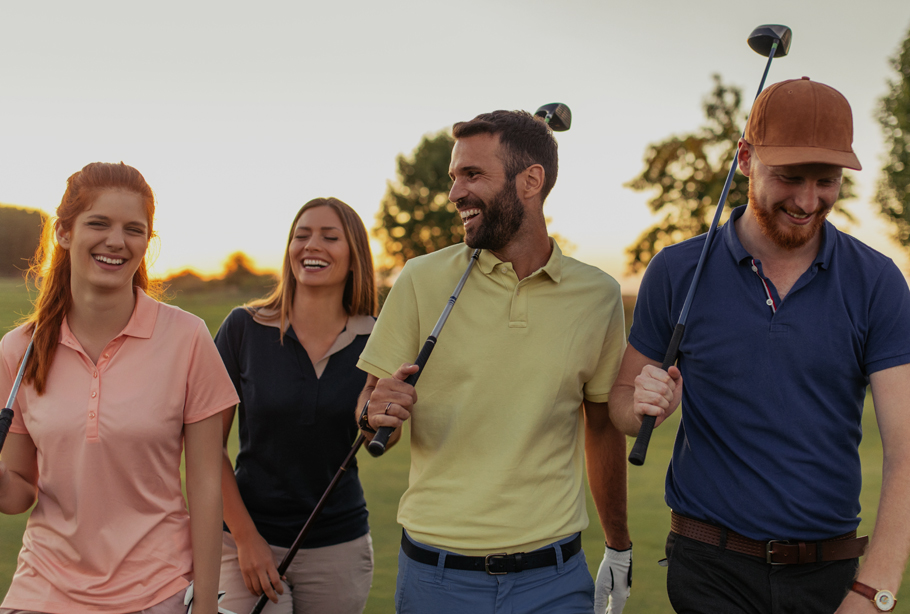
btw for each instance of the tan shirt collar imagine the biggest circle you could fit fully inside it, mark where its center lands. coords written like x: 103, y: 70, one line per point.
x: 357, y: 325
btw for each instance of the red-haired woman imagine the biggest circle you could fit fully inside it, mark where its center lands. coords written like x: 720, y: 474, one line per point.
x: 115, y: 383
x: 292, y: 357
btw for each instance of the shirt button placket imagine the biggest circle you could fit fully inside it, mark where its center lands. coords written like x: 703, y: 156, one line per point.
x: 91, y: 427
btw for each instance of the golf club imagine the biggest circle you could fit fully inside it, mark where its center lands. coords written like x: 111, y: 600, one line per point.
x: 6, y: 415
x: 292, y: 551
x: 771, y: 41
x: 383, y: 432
x: 380, y: 440
x: 563, y: 119
x: 556, y: 115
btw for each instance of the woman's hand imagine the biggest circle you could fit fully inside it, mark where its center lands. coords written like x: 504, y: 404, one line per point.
x: 257, y: 565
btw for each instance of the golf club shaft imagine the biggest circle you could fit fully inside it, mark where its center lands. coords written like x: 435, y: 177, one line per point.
x: 6, y: 415
x: 640, y: 449
x: 381, y: 439
x: 292, y: 551
x: 421, y: 361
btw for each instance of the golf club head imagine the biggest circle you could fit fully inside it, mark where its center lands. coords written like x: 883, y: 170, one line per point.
x: 762, y: 39
x: 556, y: 115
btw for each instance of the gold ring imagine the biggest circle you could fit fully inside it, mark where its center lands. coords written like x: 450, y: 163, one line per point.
x: 386, y: 412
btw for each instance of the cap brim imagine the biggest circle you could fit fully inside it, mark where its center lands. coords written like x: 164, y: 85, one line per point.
x: 787, y: 156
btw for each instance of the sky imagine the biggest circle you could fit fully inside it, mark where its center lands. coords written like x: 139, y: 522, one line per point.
x: 237, y: 113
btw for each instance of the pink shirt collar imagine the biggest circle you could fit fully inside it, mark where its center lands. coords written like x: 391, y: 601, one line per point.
x: 141, y: 324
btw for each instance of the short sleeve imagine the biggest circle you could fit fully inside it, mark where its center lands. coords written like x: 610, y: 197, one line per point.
x: 395, y: 338
x: 888, y: 339
x: 227, y: 341
x: 652, y: 324
x: 209, y: 389
x: 597, y: 389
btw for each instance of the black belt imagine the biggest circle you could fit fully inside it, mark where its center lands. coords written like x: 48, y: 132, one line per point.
x: 493, y: 564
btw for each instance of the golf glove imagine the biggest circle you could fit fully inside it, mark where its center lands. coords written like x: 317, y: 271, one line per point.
x: 614, y: 581
x: 188, y: 601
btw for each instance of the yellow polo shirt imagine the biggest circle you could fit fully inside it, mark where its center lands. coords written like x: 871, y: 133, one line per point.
x: 497, y: 434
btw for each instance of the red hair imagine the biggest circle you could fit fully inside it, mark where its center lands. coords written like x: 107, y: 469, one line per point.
x: 50, y: 268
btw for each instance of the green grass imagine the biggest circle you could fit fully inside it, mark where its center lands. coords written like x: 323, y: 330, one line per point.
x: 385, y: 479
x: 14, y: 303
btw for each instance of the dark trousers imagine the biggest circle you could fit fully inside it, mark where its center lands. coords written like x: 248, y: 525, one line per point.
x: 708, y: 579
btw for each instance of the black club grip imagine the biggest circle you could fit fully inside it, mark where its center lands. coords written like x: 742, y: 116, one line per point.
x: 6, y: 418
x: 377, y: 446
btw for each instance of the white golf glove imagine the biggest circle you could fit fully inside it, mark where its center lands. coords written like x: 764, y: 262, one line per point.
x: 614, y: 581
x: 188, y: 601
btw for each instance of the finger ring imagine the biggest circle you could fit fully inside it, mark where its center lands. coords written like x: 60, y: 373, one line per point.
x: 386, y: 412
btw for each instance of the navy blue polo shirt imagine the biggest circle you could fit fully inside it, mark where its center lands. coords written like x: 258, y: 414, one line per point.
x: 773, y: 390
x: 295, y: 431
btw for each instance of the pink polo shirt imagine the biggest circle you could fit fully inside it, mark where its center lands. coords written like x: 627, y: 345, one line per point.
x: 111, y: 532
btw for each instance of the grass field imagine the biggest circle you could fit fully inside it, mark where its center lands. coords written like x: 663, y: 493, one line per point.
x: 384, y: 480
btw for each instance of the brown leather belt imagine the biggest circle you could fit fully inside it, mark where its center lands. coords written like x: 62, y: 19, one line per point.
x: 775, y: 551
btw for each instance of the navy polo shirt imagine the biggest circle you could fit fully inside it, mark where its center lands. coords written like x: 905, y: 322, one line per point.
x: 773, y: 390
x: 295, y: 431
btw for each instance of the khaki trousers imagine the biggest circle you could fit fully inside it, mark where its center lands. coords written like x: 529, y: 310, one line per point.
x: 330, y: 580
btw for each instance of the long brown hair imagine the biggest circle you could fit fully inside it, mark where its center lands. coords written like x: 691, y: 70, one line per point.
x: 360, y: 288
x: 50, y: 268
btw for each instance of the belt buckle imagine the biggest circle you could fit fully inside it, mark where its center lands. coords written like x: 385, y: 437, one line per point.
x: 768, y: 546
x: 486, y: 564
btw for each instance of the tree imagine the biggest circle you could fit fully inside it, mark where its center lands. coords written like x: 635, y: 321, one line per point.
x: 415, y: 215
x: 689, y: 171
x: 893, y: 192
x: 20, y: 233
x: 240, y: 273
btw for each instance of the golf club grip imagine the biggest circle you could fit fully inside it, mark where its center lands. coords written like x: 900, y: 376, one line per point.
x: 381, y: 439
x: 640, y: 449
x: 6, y: 418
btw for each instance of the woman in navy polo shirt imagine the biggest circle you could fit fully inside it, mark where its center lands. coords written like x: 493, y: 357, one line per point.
x: 292, y: 358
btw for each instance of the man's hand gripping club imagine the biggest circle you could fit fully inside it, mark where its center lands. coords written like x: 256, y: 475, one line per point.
x: 392, y: 400
x: 657, y: 393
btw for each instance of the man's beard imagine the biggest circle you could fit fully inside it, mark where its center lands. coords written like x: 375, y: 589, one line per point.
x: 502, y: 219
x: 773, y: 228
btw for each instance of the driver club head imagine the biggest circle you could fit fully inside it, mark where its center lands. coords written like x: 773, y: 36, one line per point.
x: 556, y: 115
x: 762, y: 39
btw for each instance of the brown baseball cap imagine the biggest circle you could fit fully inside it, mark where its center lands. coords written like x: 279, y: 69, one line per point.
x: 802, y: 122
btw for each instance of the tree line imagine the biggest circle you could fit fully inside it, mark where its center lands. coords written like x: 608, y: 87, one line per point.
x: 685, y: 173
x: 20, y: 233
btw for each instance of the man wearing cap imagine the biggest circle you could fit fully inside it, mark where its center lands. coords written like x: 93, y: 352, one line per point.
x: 791, y: 321
x: 512, y: 401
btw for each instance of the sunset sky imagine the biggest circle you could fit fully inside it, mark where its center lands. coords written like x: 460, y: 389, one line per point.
x: 237, y: 112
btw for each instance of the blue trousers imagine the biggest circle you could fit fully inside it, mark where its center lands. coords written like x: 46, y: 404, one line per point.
x: 564, y: 588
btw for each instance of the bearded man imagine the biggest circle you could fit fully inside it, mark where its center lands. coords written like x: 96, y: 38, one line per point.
x: 791, y: 322
x: 513, y: 399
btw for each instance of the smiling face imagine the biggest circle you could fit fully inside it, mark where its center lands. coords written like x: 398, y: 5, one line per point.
x: 791, y: 203
x: 319, y: 253
x: 107, y: 242
x: 486, y: 199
